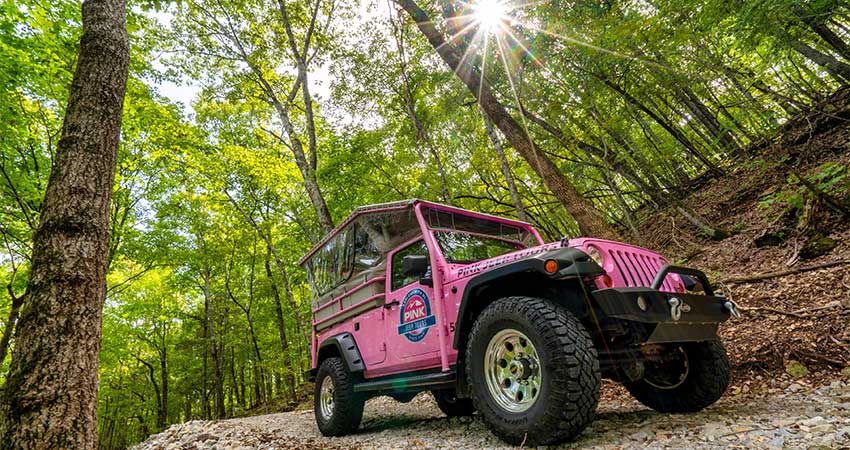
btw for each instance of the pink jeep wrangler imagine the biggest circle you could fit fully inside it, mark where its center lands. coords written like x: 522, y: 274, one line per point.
x: 412, y: 296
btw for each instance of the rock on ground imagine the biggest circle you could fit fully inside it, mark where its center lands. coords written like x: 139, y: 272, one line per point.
x: 790, y: 419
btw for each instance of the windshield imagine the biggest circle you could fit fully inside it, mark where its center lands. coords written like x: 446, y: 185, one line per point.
x: 465, y: 248
x: 441, y: 220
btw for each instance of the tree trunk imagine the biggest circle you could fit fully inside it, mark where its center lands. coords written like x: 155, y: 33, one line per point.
x: 838, y: 69
x: 666, y: 124
x: 281, y: 327
x: 589, y: 220
x: 506, y: 169
x: 205, y: 403
x: 17, y: 302
x: 215, y: 348
x: 823, y: 31
x: 50, y: 396
x: 618, y: 196
x: 278, y: 261
x: 421, y: 133
x: 653, y: 191
x: 163, y: 375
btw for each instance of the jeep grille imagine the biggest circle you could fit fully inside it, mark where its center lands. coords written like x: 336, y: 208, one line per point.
x: 639, y: 270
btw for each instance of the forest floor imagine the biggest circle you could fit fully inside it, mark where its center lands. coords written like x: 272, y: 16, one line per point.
x: 790, y: 352
x: 786, y: 415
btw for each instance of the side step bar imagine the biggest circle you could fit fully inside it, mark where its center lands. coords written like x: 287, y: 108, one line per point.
x: 408, y: 384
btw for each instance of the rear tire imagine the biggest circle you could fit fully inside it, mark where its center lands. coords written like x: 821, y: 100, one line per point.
x: 532, y: 371
x: 689, y: 387
x: 338, y: 409
x: 452, y: 406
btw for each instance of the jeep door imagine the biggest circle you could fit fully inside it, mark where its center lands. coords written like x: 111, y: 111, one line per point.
x: 411, y: 323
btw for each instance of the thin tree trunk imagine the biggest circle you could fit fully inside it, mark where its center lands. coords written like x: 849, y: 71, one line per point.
x: 163, y: 375
x: 215, y: 348
x: 242, y: 399
x: 421, y: 133
x: 589, y: 220
x: 50, y: 396
x: 823, y: 31
x: 281, y: 327
x: 627, y: 213
x: 17, y: 302
x: 838, y: 69
x: 278, y: 261
x: 205, y: 403
x: 666, y: 124
x: 653, y: 192
x: 506, y: 168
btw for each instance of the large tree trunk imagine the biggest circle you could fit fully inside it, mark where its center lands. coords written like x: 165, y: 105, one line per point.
x: 50, y: 396
x: 589, y: 220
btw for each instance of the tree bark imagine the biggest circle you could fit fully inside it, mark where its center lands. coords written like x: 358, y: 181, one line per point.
x: 281, y: 328
x: 589, y: 220
x: 823, y: 31
x: 8, y: 329
x: 215, y: 347
x: 50, y: 396
x: 838, y: 69
x: 278, y: 261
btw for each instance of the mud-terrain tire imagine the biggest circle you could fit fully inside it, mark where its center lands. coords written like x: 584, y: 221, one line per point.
x: 568, y: 393
x: 343, y: 409
x: 705, y: 379
x: 452, y: 406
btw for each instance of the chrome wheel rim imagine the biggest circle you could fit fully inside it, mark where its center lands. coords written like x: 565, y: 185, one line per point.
x: 326, y: 398
x: 512, y: 371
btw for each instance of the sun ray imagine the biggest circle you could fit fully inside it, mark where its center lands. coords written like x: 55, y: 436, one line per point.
x: 483, y: 63
x: 585, y: 44
x: 502, y: 53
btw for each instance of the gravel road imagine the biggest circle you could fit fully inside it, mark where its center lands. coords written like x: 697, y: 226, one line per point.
x: 792, y: 417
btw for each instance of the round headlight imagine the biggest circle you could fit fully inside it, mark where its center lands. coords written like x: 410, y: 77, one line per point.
x: 594, y: 254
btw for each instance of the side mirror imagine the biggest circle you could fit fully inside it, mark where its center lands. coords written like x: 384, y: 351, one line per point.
x: 415, y: 265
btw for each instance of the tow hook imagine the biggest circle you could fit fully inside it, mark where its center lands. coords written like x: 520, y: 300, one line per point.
x: 732, y: 309
x: 675, y: 308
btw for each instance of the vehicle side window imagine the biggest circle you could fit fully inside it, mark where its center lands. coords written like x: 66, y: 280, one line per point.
x: 399, y: 279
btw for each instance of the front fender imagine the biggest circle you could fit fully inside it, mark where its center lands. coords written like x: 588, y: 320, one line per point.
x: 572, y: 263
x: 345, y: 345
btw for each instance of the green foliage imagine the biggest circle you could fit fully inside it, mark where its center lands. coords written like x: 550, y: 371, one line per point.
x: 830, y: 178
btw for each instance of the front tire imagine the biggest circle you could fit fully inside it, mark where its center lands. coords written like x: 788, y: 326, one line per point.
x: 694, y: 376
x: 533, y: 371
x: 338, y: 409
x: 452, y: 406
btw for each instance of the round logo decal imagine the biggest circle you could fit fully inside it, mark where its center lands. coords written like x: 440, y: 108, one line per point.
x: 415, y: 316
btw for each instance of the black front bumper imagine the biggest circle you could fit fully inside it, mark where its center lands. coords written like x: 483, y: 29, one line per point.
x: 695, y: 318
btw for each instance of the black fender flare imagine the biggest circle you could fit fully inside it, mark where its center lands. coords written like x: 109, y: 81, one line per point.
x: 346, y: 346
x: 573, y: 264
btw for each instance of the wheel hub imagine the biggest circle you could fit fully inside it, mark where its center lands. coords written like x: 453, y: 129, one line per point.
x: 512, y: 370
x: 326, y: 398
